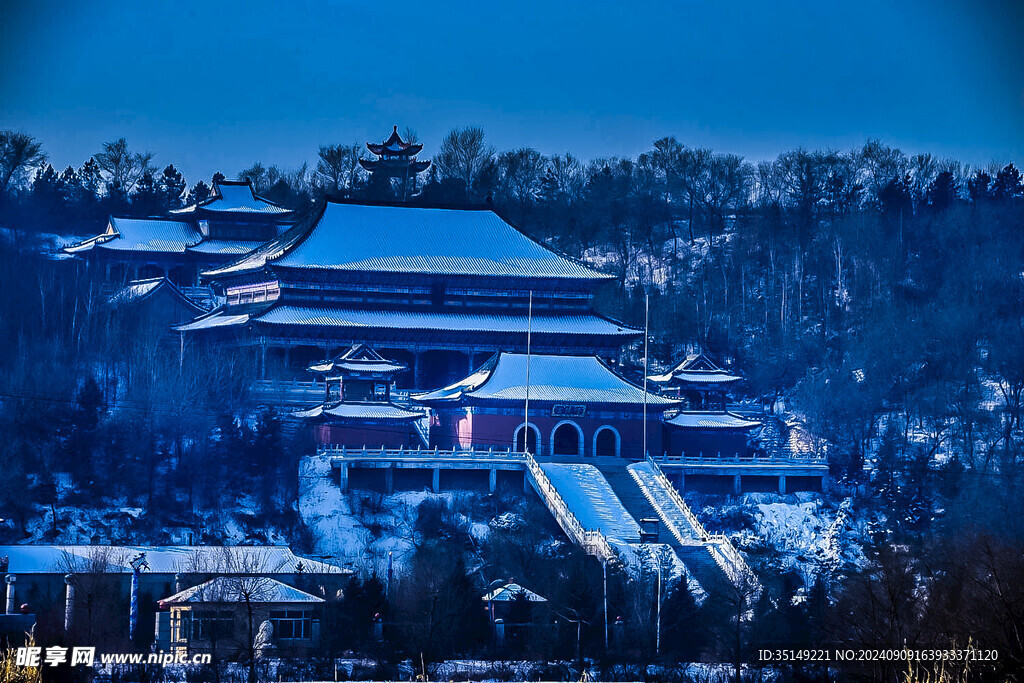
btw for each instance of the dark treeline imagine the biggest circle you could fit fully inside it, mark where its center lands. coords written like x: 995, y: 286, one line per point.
x: 866, y: 285
x: 877, y: 295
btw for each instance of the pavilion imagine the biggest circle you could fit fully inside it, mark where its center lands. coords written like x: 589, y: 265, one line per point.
x: 437, y: 289
x: 396, y: 159
x: 357, y: 408
x: 705, y: 428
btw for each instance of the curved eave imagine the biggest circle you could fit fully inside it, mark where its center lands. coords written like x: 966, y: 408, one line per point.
x: 711, y: 421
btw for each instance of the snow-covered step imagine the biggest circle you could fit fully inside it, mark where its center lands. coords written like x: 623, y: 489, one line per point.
x: 677, y: 519
x: 592, y: 501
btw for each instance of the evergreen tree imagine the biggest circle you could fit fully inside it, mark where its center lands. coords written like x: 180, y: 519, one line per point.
x: 171, y: 187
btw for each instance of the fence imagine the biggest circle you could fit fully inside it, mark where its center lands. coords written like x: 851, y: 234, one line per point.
x: 591, y: 541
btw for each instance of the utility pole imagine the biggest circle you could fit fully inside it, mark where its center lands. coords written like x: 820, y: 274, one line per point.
x: 604, y: 576
x: 526, y: 415
x: 657, y: 636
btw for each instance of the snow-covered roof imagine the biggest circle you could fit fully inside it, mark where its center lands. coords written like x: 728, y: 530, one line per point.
x: 88, y: 244
x: 256, y: 589
x: 286, y: 314
x: 591, y: 499
x: 214, y: 319
x: 406, y: 239
x: 139, y: 290
x: 581, y: 323
x: 700, y: 420
x: 142, y: 234
x: 226, y: 247
x: 512, y: 591
x: 357, y: 359
x: 47, y: 559
x: 235, y: 196
x: 378, y: 412
x: 696, y: 368
x: 570, y: 379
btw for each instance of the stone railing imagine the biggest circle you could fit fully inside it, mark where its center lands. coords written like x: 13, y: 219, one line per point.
x: 734, y: 459
x: 342, y: 451
x: 678, y: 499
x: 725, y: 554
x: 593, y: 542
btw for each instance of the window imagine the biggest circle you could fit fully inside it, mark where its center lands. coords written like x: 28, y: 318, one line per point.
x: 212, y: 625
x: 292, y: 624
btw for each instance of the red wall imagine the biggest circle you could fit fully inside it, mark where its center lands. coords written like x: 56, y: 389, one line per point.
x: 371, y: 436
x: 457, y: 428
x: 710, y: 443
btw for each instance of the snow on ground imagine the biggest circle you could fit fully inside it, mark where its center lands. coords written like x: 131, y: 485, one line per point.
x: 803, y: 533
x: 592, y: 500
x: 360, y: 530
x: 808, y: 536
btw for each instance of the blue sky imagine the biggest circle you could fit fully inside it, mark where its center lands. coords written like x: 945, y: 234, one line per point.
x: 217, y: 85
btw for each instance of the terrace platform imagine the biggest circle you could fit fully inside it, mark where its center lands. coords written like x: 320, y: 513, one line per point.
x: 434, y: 467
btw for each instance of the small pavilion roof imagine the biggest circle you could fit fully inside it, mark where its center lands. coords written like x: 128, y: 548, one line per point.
x: 363, y: 411
x: 509, y: 592
x: 357, y: 359
x: 703, y: 420
x: 569, y: 379
x: 394, y: 145
x: 235, y: 197
x: 351, y: 237
x: 695, y: 368
x: 140, y: 290
x: 255, y: 589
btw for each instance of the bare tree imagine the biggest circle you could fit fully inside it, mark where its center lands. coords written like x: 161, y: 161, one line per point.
x: 337, y: 169
x: 121, y: 168
x: 463, y: 154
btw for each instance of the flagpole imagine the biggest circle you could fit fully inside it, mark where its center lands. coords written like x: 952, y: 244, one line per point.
x: 646, y: 336
x: 526, y: 414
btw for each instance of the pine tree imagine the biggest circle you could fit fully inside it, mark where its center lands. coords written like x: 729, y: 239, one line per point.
x: 171, y: 187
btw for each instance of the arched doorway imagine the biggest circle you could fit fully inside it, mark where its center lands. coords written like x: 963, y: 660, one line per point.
x: 567, y: 439
x: 532, y: 439
x: 606, y: 442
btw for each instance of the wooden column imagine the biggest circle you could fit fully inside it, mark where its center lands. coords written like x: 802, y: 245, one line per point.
x: 417, y: 374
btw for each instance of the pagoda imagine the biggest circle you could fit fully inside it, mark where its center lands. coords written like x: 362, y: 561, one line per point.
x: 357, y: 408
x: 396, y: 159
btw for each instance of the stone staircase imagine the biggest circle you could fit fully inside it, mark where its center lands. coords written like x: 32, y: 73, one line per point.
x: 690, y: 543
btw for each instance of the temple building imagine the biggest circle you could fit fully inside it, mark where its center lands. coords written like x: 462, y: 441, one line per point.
x: 396, y: 159
x: 438, y: 290
x: 231, y: 222
x: 704, y: 428
x: 578, y: 406
x: 357, y: 408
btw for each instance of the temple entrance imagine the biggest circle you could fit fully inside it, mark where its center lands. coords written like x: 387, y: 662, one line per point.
x: 566, y: 440
x: 531, y: 440
x: 605, y: 443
